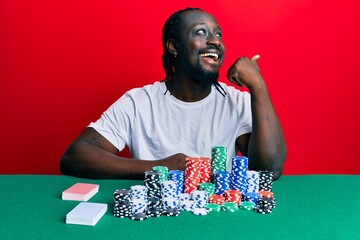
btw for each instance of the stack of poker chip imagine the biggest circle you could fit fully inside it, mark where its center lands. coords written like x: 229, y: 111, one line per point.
x: 199, y: 197
x: 222, y: 182
x: 205, y: 169
x: 265, y: 180
x: 200, y: 211
x: 168, y: 189
x: 250, y: 197
x: 178, y: 177
x: 218, y: 157
x: 232, y: 196
x: 184, y: 196
x: 187, y: 205
x: 172, y: 212
x: 155, y: 207
x: 170, y: 202
x: 153, y: 184
x: 185, y: 202
x: 139, y: 199
x: 238, y: 173
x: 247, y: 205
x: 123, y: 203
x: 266, y: 194
x: 229, y: 207
x: 163, y: 171
x: 216, y: 199
x: 265, y: 205
x: 208, y: 187
x: 252, y: 180
x: 192, y: 174
x: 213, y: 207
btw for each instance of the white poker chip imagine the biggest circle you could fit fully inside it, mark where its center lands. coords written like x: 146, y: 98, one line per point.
x: 200, y: 211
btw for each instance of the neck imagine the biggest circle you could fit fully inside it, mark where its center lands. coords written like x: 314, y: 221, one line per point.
x: 188, y: 90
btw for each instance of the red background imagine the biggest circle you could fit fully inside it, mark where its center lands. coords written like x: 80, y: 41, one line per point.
x: 63, y: 62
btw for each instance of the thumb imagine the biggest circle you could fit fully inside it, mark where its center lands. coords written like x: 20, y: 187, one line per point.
x: 254, y: 59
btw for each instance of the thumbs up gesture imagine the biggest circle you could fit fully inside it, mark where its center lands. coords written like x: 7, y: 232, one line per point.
x: 245, y: 72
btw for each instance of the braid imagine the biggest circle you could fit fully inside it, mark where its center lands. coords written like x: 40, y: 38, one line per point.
x: 171, y: 31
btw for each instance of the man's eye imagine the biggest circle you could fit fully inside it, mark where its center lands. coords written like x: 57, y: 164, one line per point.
x: 219, y: 35
x: 201, y: 32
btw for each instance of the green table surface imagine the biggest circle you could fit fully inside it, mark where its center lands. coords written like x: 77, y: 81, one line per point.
x: 308, y: 207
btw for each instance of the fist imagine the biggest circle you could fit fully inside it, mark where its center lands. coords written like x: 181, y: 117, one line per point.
x: 175, y: 162
x: 245, y: 72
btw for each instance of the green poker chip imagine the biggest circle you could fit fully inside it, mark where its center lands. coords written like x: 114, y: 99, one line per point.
x: 229, y: 207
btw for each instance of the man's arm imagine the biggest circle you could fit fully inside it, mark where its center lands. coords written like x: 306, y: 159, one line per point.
x: 92, y: 156
x: 265, y: 146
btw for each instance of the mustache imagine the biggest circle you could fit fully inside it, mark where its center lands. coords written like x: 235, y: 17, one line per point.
x: 211, y: 48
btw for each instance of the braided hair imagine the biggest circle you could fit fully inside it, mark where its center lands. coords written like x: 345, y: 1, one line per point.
x: 171, y: 31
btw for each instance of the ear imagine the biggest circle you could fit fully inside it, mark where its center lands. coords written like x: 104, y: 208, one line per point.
x: 171, y: 47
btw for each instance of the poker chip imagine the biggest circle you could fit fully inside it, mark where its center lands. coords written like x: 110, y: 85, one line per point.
x: 177, y: 176
x: 219, y: 157
x: 153, y: 184
x: 205, y: 169
x: 192, y: 174
x: 232, y: 196
x: 163, y: 171
x: 222, y: 182
x: 208, y: 187
x: 266, y: 194
x: 172, y: 212
x: 168, y: 189
x: 229, y: 207
x: 250, y: 197
x: 262, y: 210
x: 205, y: 186
x: 265, y: 180
x: 247, y: 205
x: 238, y: 174
x: 154, y: 212
x: 212, y: 207
x: 216, y: 199
x: 139, y: 217
x: 252, y: 180
x: 200, y: 211
x: 184, y: 196
x: 199, y: 197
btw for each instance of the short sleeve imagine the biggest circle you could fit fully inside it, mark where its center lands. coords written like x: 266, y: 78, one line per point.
x: 115, y: 123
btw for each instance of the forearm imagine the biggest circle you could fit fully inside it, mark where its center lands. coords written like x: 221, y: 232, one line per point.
x: 90, y: 161
x: 267, y: 148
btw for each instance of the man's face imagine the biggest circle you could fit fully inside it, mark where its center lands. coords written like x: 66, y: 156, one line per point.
x: 201, y: 51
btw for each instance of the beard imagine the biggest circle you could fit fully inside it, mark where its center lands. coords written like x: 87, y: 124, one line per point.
x: 203, y: 76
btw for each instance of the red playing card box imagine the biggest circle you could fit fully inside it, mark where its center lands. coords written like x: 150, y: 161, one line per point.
x: 80, y: 192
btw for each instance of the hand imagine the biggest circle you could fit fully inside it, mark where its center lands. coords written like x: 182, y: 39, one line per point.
x: 245, y: 72
x: 175, y: 162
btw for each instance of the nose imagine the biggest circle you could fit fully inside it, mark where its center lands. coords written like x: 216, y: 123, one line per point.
x: 214, y: 40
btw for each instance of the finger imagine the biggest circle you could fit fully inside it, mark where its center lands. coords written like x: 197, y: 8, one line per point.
x: 255, y: 58
x: 234, y: 81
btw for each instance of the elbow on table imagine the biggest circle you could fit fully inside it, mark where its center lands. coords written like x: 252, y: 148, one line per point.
x: 278, y: 166
x: 65, y: 165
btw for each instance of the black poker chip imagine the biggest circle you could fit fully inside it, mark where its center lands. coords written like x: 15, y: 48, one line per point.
x: 172, y: 212
x: 262, y: 210
x: 139, y: 216
x: 154, y: 212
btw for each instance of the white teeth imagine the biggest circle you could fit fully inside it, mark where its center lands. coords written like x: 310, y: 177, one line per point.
x: 215, y: 56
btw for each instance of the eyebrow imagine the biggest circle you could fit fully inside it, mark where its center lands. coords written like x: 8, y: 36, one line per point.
x: 202, y: 23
